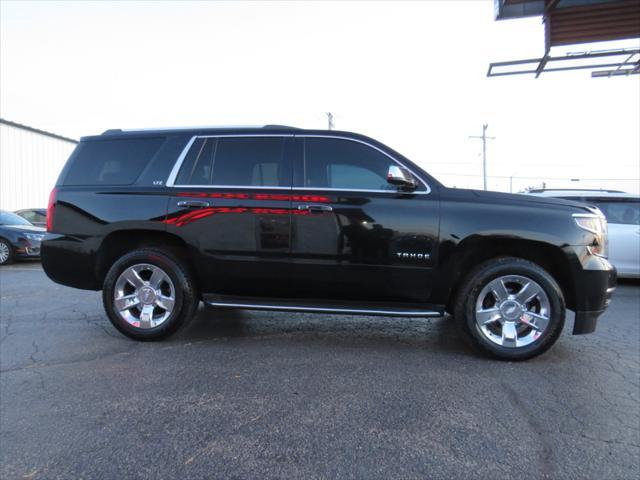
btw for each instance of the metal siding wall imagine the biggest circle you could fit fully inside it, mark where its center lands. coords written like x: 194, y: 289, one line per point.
x: 29, y: 166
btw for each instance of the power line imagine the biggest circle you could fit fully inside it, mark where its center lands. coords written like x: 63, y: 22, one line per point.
x: 541, y: 176
x: 524, y: 165
x: 36, y: 130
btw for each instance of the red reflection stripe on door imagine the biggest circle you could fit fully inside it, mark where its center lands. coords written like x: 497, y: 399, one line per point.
x: 257, y: 196
x: 192, y: 216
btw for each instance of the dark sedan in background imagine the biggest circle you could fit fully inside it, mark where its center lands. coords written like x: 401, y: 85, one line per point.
x: 18, y: 238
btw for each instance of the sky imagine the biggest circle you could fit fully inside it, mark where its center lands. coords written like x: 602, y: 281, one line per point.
x: 410, y: 74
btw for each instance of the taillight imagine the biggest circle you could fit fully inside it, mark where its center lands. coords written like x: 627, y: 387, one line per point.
x: 50, y: 209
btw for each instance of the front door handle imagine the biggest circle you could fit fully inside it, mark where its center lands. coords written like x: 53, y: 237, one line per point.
x: 316, y: 208
x: 193, y: 204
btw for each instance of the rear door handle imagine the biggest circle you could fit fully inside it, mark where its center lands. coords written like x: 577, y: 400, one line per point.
x: 316, y: 208
x: 193, y: 203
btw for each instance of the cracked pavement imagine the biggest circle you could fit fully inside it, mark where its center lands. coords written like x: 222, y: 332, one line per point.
x: 245, y: 395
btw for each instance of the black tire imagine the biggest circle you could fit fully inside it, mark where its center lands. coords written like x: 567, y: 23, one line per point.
x: 186, y: 295
x: 10, y: 259
x: 464, y: 307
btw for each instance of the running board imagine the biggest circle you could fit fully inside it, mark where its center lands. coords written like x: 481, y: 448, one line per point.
x: 314, y: 308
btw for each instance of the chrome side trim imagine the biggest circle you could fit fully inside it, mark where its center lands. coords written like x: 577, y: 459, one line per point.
x: 393, y: 192
x: 183, y: 154
x: 244, y: 187
x: 349, y: 311
x: 178, y: 164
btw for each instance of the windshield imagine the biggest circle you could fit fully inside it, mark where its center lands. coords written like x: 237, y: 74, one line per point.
x: 8, y: 218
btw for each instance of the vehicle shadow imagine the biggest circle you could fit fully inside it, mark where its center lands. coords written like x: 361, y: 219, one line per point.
x: 434, y: 334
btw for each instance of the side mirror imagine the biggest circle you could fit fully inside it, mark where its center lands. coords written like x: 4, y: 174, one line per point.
x: 400, y: 177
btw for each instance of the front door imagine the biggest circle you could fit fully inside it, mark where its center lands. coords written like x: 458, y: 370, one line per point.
x: 355, y: 236
x: 231, y: 203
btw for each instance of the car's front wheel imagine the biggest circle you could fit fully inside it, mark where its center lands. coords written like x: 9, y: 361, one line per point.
x: 510, y: 308
x: 148, y: 294
x: 6, y: 252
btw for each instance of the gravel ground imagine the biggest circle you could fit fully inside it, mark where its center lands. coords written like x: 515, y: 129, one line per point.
x: 264, y: 395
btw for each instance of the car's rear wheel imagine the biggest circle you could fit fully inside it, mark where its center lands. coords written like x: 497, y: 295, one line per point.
x: 510, y: 308
x: 6, y: 252
x: 149, y: 294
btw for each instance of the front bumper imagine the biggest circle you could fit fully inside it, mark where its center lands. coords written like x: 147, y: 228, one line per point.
x: 586, y: 322
x: 595, y: 286
x: 32, y: 251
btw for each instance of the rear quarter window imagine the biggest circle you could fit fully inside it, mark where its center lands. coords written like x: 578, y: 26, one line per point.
x: 110, y: 161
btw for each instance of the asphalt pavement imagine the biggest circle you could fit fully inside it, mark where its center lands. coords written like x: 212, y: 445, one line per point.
x: 261, y: 395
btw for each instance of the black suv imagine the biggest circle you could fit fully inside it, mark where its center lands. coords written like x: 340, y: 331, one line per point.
x: 279, y: 218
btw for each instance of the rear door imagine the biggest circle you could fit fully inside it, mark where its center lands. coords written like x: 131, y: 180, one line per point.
x: 231, y: 203
x: 354, y: 236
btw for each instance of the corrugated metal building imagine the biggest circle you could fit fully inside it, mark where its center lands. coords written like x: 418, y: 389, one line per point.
x: 30, y: 161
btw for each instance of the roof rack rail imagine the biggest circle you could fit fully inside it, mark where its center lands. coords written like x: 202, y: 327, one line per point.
x: 280, y: 126
x: 159, y: 129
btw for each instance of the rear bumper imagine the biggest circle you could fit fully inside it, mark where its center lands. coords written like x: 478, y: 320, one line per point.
x: 69, y: 261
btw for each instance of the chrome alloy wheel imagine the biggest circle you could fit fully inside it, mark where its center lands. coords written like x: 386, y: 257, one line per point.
x: 512, y: 311
x: 4, y: 252
x: 144, y: 296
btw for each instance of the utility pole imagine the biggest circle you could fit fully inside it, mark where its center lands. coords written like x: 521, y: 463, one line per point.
x: 330, y: 120
x: 484, y: 152
x: 511, y: 181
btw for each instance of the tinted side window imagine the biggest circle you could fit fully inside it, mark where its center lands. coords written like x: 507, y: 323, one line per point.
x: 28, y: 215
x: 33, y: 216
x: 249, y: 161
x: 235, y: 161
x: 197, y: 166
x: 626, y: 212
x: 336, y: 163
x: 111, y: 162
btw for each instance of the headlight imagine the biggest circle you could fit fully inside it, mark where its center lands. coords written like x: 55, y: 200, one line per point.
x: 36, y: 237
x: 594, y: 223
